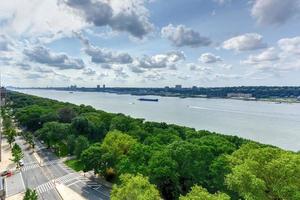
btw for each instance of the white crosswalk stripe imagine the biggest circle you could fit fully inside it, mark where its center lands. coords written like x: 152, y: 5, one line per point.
x: 51, y: 162
x: 67, y: 178
x: 45, y: 187
x: 28, y: 167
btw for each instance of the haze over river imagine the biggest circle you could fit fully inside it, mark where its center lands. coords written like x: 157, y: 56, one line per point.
x: 265, y: 122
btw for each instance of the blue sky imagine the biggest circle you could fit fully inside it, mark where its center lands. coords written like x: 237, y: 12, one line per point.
x: 150, y: 43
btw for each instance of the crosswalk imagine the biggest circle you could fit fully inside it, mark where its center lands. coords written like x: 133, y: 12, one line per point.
x: 27, y: 167
x: 67, y: 178
x: 45, y: 187
x: 52, y: 162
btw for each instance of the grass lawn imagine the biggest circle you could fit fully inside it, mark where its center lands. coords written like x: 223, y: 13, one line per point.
x: 75, y: 164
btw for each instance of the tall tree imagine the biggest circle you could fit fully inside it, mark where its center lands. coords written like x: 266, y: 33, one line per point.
x: 134, y: 188
x: 10, y: 135
x: 66, y: 114
x: 199, y: 193
x: 264, y: 173
x: 81, y: 144
x: 17, y: 154
x: 30, y: 195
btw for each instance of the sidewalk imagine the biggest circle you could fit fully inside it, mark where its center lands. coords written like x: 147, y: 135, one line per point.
x: 6, y: 163
x: 19, y: 196
x: 67, y: 193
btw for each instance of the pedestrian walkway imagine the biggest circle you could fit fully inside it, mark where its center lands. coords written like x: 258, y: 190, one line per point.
x: 29, y: 167
x: 67, y: 178
x: 45, y: 187
x: 6, y: 156
x: 67, y: 193
x: 14, y: 184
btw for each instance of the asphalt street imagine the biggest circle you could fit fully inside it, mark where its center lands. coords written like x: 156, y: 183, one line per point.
x: 43, y: 174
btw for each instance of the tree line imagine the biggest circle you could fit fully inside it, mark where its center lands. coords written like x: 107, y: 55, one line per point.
x: 149, y: 160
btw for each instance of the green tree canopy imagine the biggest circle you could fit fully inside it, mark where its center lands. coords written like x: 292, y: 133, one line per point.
x: 264, y: 173
x: 134, y: 188
x: 81, y: 144
x: 199, y: 193
x: 30, y: 195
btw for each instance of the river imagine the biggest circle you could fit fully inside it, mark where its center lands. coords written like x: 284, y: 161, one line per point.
x: 265, y: 122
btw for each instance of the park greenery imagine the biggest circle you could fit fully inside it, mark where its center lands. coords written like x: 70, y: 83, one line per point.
x: 149, y: 160
x: 10, y: 133
x: 30, y: 195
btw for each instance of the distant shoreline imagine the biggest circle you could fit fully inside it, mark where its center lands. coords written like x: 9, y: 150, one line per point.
x: 277, y: 100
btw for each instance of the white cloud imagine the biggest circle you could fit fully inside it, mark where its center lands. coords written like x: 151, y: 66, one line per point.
x: 103, y: 56
x: 246, y: 42
x: 126, y: 16
x: 290, y: 45
x: 37, y: 18
x: 267, y: 12
x: 268, y: 55
x: 209, y: 58
x: 61, y: 61
x: 158, y: 61
x: 182, y: 36
x: 89, y: 72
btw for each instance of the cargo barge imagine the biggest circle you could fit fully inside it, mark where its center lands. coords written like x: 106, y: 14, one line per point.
x: 148, y: 99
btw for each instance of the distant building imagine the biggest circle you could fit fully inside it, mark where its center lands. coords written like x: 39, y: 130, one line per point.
x: 178, y: 86
x: 73, y: 87
x: 98, y: 86
x: 167, y: 87
x: 104, y: 86
x: 194, y: 87
x: 298, y: 98
x: 239, y: 95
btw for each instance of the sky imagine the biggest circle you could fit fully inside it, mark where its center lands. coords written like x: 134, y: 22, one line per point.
x: 149, y: 43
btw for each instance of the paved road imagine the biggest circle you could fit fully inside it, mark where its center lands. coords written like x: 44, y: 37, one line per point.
x: 42, y: 176
x: 36, y: 176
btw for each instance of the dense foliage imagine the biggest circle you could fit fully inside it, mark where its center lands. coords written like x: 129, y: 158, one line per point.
x: 180, y: 162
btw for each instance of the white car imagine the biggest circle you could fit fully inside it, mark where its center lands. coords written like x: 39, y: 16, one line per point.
x: 21, y: 163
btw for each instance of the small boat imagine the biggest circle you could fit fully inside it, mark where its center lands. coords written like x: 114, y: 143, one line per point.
x: 71, y: 92
x: 148, y: 99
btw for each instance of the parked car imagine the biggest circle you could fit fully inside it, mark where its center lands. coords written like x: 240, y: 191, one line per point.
x: 6, y: 173
x: 21, y: 163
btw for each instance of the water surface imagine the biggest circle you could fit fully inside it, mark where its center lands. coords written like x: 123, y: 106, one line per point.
x: 266, y: 122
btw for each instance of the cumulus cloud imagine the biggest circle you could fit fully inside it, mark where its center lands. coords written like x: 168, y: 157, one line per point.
x: 103, y: 56
x: 158, y: 61
x: 246, y: 42
x: 268, y: 12
x: 61, y: 61
x: 89, y: 72
x: 129, y: 15
x: 268, y: 55
x: 4, y: 45
x: 153, y: 76
x: 198, y: 68
x: 290, y: 45
x: 182, y: 36
x: 99, y: 55
x: 34, y: 76
x: 120, y: 73
x: 37, y: 18
x: 209, y: 58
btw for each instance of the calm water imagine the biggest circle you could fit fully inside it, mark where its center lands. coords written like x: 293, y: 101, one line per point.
x: 270, y: 123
